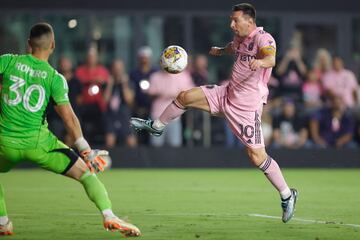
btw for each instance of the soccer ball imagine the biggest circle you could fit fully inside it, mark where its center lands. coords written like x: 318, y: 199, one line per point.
x: 174, y: 59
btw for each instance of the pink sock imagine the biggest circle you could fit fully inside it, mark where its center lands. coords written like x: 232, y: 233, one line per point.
x: 272, y: 171
x: 174, y: 110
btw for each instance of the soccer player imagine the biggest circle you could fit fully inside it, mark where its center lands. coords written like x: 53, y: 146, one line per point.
x: 29, y: 84
x: 241, y: 101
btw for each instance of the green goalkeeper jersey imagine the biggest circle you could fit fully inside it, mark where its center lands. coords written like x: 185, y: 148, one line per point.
x: 28, y: 85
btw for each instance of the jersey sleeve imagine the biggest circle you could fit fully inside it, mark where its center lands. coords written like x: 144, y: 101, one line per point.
x: 59, y: 89
x: 276, y: 123
x: 4, y: 62
x: 266, y: 40
x: 266, y: 44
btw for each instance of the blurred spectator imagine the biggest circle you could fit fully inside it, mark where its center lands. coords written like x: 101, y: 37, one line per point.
x: 357, y: 132
x: 55, y: 123
x: 75, y: 88
x: 273, y: 105
x: 291, y: 72
x: 289, y: 129
x: 312, y: 92
x: 164, y: 87
x: 118, y: 112
x: 332, y: 126
x: 273, y: 86
x: 94, y: 78
x: 342, y: 82
x: 322, y: 62
x: 199, y: 71
x: 195, y: 120
x: 139, y: 77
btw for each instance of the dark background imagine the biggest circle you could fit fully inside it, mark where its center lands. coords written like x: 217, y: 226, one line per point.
x: 197, y: 5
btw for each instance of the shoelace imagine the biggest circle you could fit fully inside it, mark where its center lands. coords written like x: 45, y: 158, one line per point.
x: 284, y: 204
x: 148, y: 122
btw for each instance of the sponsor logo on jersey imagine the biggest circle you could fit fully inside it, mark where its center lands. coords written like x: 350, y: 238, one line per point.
x: 28, y: 70
x: 246, y: 57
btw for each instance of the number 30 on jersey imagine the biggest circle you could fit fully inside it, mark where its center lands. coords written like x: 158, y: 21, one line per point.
x: 15, y: 88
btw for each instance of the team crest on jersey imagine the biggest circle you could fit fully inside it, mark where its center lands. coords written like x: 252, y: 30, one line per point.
x: 251, y: 46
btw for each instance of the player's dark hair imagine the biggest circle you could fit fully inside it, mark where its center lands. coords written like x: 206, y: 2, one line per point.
x: 37, y: 32
x: 246, y: 8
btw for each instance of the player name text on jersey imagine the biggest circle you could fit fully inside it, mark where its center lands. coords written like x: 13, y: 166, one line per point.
x: 33, y: 73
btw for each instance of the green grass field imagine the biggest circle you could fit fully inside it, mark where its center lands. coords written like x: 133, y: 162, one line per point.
x: 186, y: 204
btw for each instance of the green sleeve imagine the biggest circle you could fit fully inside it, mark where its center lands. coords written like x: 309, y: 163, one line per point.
x: 59, y: 89
x: 4, y: 62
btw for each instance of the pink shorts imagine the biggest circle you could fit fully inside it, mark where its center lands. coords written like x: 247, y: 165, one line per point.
x: 246, y: 125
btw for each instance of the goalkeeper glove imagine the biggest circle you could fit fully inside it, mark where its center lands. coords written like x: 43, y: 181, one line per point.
x: 94, y: 159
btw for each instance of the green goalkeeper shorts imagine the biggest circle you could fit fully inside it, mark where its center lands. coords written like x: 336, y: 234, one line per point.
x: 53, y: 155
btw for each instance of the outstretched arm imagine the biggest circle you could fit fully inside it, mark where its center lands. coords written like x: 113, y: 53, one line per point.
x: 219, y: 51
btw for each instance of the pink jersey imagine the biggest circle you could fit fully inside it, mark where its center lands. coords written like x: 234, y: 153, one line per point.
x: 248, y: 89
x: 312, y: 92
x: 342, y: 83
x: 164, y: 87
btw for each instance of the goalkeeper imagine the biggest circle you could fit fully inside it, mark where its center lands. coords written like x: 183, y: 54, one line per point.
x: 29, y: 84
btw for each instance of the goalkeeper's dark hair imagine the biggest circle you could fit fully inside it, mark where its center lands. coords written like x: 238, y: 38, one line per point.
x: 246, y: 8
x: 40, y: 35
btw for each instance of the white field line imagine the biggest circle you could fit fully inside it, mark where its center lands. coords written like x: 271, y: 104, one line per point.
x: 305, y: 220
x: 260, y: 216
x: 194, y: 214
